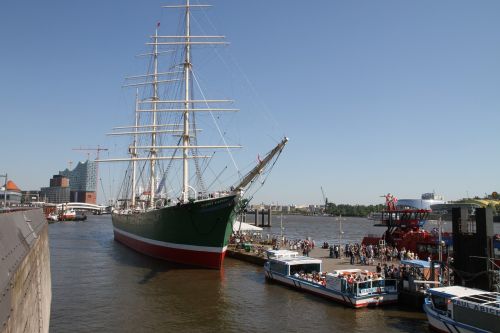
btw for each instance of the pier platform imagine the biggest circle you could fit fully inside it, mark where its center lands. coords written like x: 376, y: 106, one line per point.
x: 329, y: 264
x: 256, y: 254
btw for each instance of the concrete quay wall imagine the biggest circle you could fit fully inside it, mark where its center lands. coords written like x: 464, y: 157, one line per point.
x: 25, y: 281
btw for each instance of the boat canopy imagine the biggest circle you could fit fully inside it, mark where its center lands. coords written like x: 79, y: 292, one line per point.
x: 242, y: 226
x: 303, y: 261
x: 418, y: 263
x: 281, y: 254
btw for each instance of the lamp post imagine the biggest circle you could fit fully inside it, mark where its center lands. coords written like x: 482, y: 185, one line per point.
x: 340, y: 219
x: 282, y: 240
x: 440, y: 230
x: 5, y: 191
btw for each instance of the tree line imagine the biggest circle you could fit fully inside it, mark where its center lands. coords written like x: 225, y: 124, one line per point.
x: 352, y: 210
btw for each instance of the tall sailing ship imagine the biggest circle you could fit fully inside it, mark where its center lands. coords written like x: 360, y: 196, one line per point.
x: 191, y: 225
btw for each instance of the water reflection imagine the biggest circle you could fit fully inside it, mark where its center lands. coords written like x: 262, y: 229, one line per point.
x: 100, y: 285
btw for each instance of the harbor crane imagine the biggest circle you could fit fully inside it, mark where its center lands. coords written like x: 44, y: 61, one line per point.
x: 325, y: 199
x: 97, y: 150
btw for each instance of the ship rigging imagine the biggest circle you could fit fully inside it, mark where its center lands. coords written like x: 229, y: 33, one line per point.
x: 192, y: 225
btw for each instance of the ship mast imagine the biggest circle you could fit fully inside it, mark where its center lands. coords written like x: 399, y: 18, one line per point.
x: 152, y: 162
x: 133, y: 149
x: 185, y: 106
x: 185, y: 137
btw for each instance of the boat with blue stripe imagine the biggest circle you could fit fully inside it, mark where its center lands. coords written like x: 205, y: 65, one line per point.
x: 462, y: 310
x: 353, y: 287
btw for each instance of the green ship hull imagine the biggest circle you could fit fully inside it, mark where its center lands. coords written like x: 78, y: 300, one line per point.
x: 195, y: 233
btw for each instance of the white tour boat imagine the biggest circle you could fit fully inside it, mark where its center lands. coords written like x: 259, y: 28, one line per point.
x: 460, y: 309
x: 353, y: 287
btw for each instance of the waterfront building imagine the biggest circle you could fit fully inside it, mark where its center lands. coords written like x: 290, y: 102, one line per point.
x: 30, y: 196
x: 257, y: 207
x: 59, y: 181
x: 82, y: 182
x: 314, y: 209
x: 425, y: 202
x: 57, y: 192
x: 10, y: 195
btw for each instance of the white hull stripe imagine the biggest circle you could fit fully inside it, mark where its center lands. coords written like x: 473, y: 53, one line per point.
x: 212, y: 249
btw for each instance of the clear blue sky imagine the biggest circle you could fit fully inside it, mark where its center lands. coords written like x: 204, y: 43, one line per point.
x: 376, y: 96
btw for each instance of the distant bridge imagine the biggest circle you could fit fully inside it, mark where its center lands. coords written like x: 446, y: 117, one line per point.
x: 81, y: 206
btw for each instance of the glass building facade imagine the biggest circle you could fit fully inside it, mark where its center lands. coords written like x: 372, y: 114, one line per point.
x: 55, y: 194
x: 82, y: 177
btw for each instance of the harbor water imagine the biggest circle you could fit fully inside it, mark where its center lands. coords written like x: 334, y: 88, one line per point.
x: 101, y: 286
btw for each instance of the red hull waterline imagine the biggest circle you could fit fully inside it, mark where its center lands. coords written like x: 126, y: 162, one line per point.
x: 213, y: 260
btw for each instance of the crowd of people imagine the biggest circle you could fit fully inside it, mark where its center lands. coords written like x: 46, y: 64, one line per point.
x: 349, y: 278
x: 385, y: 258
x: 357, y: 253
x: 302, y: 245
x: 398, y: 272
x: 315, y: 277
x: 367, y: 254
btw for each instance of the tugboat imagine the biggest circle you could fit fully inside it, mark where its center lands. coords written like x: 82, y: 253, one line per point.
x: 405, y: 229
x: 67, y: 215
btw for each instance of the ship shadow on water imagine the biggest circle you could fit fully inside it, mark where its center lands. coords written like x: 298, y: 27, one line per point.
x: 129, y: 257
x: 99, y: 230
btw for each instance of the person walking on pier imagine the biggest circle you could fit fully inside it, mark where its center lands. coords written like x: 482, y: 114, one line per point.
x: 351, y: 255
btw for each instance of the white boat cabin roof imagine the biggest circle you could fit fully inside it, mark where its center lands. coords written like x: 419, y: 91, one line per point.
x: 456, y: 291
x: 484, y: 301
x: 281, y: 254
x: 302, y: 261
x: 291, y: 257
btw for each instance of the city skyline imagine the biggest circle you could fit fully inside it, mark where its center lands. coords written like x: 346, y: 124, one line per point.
x: 277, y: 203
x: 398, y: 97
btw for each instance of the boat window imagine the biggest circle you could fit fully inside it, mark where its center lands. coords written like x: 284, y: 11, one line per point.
x: 364, y: 285
x: 378, y: 283
x: 390, y: 283
x: 354, y: 289
x: 440, y: 303
x: 427, y: 248
x: 304, y: 268
x: 492, y: 299
x: 279, y: 268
